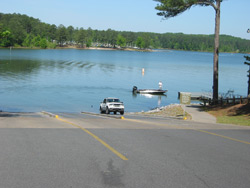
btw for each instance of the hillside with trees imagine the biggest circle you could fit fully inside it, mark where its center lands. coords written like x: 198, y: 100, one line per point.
x: 23, y: 31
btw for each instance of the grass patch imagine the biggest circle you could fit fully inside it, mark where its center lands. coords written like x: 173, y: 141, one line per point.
x: 237, y: 120
x: 231, y: 114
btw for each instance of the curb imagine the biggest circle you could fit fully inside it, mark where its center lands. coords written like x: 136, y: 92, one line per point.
x: 50, y: 114
x: 103, y: 115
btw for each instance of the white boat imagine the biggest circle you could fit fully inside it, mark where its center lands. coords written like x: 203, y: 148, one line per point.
x: 149, y: 91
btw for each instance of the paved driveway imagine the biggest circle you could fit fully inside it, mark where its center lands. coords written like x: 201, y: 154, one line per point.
x: 79, y: 150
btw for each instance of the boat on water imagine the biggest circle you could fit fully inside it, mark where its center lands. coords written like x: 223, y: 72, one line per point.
x: 149, y: 91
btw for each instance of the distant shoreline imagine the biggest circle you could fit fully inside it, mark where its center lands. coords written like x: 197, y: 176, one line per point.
x: 110, y: 49
x: 82, y: 48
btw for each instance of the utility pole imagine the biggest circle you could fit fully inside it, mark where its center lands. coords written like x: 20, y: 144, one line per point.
x: 246, y: 63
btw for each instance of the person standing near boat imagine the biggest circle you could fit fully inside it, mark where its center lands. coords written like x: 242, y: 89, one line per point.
x: 160, y: 85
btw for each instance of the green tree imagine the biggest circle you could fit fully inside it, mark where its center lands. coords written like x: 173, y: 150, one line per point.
x: 17, y: 30
x: 111, y: 37
x: 5, y: 38
x: 89, y: 37
x: 5, y: 34
x: 61, y: 35
x: 52, y: 31
x: 146, y: 40
x: 89, y: 42
x: 36, y: 41
x: 130, y: 38
x: 24, y: 29
x: 121, y: 41
x: 43, y: 43
x: 70, y: 34
x: 140, y: 43
x: 81, y: 37
x: 172, y: 8
x: 156, y: 42
x: 27, y: 40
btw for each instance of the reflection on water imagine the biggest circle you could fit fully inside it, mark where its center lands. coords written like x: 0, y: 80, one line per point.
x: 150, y: 96
x: 77, y: 80
x: 18, y: 68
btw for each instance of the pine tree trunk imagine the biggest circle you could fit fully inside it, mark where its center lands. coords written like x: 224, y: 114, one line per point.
x: 216, y: 54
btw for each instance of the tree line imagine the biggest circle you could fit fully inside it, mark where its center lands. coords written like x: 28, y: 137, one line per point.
x: 24, y: 31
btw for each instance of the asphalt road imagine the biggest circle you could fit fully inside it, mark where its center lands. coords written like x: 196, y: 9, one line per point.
x: 87, y: 151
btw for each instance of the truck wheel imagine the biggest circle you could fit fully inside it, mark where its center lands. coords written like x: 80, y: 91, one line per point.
x: 107, y: 110
x: 101, y: 110
x: 122, y: 112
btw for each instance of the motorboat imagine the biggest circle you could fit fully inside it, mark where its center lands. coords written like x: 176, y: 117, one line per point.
x: 149, y: 91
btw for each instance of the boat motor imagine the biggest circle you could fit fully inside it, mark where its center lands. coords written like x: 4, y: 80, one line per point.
x: 134, y: 89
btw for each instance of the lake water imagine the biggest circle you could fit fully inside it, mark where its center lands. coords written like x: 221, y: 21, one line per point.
x: 71, y: 80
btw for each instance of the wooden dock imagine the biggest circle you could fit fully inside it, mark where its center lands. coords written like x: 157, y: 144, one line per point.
x: 207, y: 97
x: 198, y: 95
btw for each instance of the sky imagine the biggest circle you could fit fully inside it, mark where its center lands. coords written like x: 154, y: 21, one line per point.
x: 134, y: 15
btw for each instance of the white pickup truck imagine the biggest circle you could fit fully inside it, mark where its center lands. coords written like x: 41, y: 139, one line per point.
x: 112, y: 105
